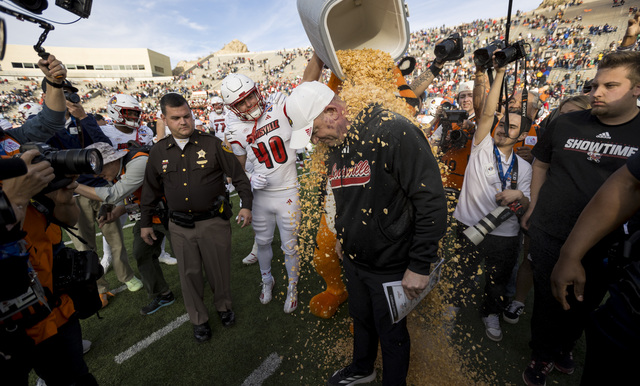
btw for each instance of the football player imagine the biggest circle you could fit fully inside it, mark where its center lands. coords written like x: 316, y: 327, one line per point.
x: 216, y: 118
x: 259, y: 132
x: 126, y: 115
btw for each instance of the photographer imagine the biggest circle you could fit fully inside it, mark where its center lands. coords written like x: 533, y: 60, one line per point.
x: 46, y: 336
x: 496, y: 179
x: 453, y: 137
x: 49, y: 121
x: 126, y: 169
x: 82, y: 130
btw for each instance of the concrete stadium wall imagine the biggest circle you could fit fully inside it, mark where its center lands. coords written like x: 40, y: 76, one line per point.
x: 90, y: 63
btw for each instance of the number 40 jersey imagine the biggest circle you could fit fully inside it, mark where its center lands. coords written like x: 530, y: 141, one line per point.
x: 265, y: 142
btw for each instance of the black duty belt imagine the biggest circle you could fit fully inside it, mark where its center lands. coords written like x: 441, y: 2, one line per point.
x: 188, y: 220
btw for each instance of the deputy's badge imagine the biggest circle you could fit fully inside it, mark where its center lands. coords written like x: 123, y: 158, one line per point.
x: 226, y: 148
x: 165, y: 163
x: 201, y: 154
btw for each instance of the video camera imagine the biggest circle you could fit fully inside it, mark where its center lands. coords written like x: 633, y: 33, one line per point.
x: 511, y: 53
x: 452, y: 138
x: 449, y: 49
x: 65, y: 162
x: 483, y: 57
x: 488, y: 223
x: 82, y: 8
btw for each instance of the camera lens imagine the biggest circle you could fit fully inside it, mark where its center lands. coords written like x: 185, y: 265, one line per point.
x: 72, y: 97
x: 76, y: 161
x: 443, y: 49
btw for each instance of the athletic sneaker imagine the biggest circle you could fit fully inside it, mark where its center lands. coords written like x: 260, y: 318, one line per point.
x: 291, y: 302
x: 513, y: 311
x: 86, y: 346
x: 492, y: 327
x: 134, y: 284
x: 536, y: 373
x: 157, y: 303
x: 251, y: 258
x: 346, y: 376
x: 167, y: 259
x: 564, y: 363
x: 267, y: 288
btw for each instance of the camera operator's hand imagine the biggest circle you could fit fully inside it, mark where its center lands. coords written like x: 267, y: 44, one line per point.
x: 469, y: 126
x: 53, y: 69
x: 508, y: 196
x: 55, y: 72
x: 112, y: 216
x: 19, y: 190
x: 66, y: 209
x: 76, y: 110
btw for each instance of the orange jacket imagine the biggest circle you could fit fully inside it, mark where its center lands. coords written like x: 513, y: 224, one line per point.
x: 40, y: 240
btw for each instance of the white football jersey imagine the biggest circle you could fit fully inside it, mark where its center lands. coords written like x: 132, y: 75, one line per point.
x: 143, y: 135
x: 269, y: 153
x: 217, y: 123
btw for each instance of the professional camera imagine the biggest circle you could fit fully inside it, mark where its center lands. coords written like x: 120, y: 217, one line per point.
x: 488, y: 223
x: 449, y: 49
x: 483, y: 57
x: 65, y: 162
x: 511, y: 53
x: 72, y: 97
x: 456, y: 116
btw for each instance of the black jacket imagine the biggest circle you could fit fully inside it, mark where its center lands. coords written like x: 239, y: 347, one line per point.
x: 390, y: 204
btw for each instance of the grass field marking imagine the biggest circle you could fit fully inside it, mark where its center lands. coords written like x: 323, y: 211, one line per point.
x: 264, y: 371
x: 136, y: 348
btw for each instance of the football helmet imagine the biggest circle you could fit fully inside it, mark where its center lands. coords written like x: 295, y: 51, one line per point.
x: 124, y: 110
x: 235, y: 89
x: 218, y: 104
x: 29, y: 109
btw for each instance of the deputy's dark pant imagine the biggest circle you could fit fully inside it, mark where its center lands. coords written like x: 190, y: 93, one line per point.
x: 147, y: 258
x: 57, y: 360
x: 372, y: 322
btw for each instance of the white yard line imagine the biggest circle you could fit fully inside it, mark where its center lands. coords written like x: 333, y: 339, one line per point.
x: 256, y: 378
x: 136, y: 348
x: 264, y: 371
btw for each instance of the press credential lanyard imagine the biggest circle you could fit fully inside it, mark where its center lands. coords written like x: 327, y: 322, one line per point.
x: 511, y: 172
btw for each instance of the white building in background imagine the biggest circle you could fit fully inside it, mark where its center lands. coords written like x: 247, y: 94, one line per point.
x: 90, y: 63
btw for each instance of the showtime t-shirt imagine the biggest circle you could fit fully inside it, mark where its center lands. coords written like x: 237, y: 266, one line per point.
x: 582, y: 153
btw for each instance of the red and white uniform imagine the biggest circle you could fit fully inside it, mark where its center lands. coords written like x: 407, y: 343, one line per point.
x: 267, y: 148
x: 143, y: 135
x: 265, y: 142
x: 217, y: 124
